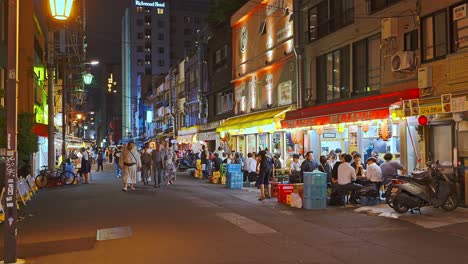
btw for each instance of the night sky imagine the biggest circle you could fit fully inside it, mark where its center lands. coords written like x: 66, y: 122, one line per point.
x: 103, y: 30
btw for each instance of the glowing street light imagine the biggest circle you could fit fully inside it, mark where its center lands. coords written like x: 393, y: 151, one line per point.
x: 87, y: 78
x: 60, y: 9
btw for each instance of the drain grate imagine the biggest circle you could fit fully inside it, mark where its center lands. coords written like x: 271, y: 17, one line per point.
x: 114, y: 233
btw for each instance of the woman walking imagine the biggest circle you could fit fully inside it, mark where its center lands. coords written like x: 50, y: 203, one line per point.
x: 264, y: 172
x: 169, y: 167
x: 85, y: 164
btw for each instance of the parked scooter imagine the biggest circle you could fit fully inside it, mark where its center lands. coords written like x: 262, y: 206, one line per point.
x: 185, y: 163
x: 427, y: 188
x: 398, y: 180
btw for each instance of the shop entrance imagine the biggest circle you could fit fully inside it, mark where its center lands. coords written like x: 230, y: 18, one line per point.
x: 442, y: 145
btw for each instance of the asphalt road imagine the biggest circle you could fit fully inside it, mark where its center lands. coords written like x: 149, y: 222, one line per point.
x: 196, y: 222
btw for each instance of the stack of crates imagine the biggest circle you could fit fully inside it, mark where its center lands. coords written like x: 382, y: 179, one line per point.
x: 199, y: 173
x: 234, y: 176
x: 315, y: 190
x: 283, y: 191
x: 222, y: 171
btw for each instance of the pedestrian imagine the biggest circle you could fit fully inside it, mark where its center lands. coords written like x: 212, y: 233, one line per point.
x: 169, y: 167
x: 100, y: 160
x: 204, y: 162
x: 157, y: 157
x: 130, y: 164
x: 110, y: 153
x: 145, y: 165
x: 265, y: 169
x: 116, y: 155
x: 85, y: 164
x: 308, y: 165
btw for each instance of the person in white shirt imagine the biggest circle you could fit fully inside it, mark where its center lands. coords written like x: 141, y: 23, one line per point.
x: 346, y: 176
x: 295, y: 170
x: 250, y: 168
x: 373, y: 173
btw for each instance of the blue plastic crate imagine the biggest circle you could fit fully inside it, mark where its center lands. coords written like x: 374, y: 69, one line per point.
x: 233, y: 168
x: 313, y: 204
x: 315, y: 178
x: 234, y: 186
x: 315, y: 192
x: 234, y: 174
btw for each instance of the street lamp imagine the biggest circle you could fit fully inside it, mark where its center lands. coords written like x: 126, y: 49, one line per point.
x: 60, y: 9
x: 88, y: 78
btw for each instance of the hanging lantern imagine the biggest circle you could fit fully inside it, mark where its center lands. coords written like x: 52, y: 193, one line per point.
x: 365, y: 127
x: 60, y: 9
x: 320, y: 130
x: 385, y: 130
x: 88, y: 78
x: 422, y: 120
x: 341, y: 128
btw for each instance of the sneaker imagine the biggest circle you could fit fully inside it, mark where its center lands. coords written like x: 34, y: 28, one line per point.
x: 124, y: 189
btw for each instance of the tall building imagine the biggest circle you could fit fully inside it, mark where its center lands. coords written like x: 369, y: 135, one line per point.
x: 155, y: 36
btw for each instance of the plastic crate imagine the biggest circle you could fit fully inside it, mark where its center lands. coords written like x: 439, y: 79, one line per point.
x: 283, y: 191
x: 311, y: 204
x: 274, y: 190
x: 315, y: 192
x: 315, y: 178
x: 235, y: 175
x: 233, y: 168
x: 222, y: 170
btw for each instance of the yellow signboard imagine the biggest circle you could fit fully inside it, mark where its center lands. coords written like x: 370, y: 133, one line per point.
x: 430, y: 109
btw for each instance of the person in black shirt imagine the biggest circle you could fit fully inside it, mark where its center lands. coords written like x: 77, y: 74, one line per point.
x: 325, y: 167
x: 217, y: 162
x: 308, y: 165
x: 335, y: 167
x: 265, y: 171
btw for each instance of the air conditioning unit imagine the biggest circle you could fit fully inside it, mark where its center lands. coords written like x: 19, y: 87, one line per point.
x: 389, y: 28
x: 402, y: 60
x: 425, y: 77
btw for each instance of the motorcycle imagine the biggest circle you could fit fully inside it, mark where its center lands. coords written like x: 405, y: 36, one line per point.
x: 398, y: 180
x: 185, y: 163
x: 427, y: 188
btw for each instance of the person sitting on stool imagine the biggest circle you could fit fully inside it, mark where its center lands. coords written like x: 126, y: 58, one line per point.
x: 346, y: 177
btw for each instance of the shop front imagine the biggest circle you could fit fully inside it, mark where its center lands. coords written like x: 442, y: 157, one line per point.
x: 364, y: 125
x: 187, y: 138
x: 209, y: 135
x: 255, y: 132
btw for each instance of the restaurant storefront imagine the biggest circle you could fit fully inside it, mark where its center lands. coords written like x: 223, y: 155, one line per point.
x: 364, y: 125
x: 255, y: 132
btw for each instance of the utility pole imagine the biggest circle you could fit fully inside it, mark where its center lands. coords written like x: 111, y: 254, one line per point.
x: 11, y: 159
x: 50, y: 100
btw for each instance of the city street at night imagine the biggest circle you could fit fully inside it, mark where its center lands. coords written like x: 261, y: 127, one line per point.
x: 196, y: 222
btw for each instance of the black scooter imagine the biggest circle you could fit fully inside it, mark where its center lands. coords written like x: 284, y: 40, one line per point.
x: 427, y: 188
x: 185, y: 163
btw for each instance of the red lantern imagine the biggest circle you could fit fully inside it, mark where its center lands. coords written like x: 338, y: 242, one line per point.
x: 385, y: 130
x: 320, y: 130
x: 422, y: 120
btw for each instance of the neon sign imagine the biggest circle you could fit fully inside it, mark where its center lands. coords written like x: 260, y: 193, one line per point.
x: 150, y: 4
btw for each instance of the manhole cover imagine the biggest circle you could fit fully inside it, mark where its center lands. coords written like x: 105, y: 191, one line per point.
x: 113, y: 233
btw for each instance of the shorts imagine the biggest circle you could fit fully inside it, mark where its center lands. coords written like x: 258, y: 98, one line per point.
x: 265, y: 177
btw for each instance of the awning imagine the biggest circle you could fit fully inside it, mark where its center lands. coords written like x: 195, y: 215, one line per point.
x: 188, y: 131
x: 254, y: 119
x: 353, y: 110
x: 188, y: 139
x: 41, y: 130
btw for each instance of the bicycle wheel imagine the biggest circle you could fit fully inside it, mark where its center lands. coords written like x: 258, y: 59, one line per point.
x: 41, y: 180
x: 67, y: 177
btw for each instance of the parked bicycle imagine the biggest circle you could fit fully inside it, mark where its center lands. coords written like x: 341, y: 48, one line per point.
x: 64, y: 177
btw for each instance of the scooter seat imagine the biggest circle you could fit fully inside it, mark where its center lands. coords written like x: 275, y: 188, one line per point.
x: 423, y: 181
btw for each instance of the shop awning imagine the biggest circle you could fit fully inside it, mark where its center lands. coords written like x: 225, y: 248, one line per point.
x: 353, y: 110
x: 254, y: 119
x: 41, y: 130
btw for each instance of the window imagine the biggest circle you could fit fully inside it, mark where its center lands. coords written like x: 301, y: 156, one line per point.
x: 262, y: 29
x: 187, y: 31
x: 139, y: 22
x: 459, y: 38
x: 148, y: 71
x: 2, y: 85
x: 140, y: 35
x: 434, y: 36
x: 187, y: 20
x: 224, y: 102
x: 411, y: 40
x: 221, y: 54
x: 139, y: 48
x: 160, y: 11
x: 333, y: 75
x: 147, y: 36
x: 148, y: 62
x: 161, y: 50
x: 187, y: 44
x: 160, y: 36
x: 139, y: 9
x: 377, y: 5
x: 148, y: 47
x: 147, y: 10
x: 140, y: 62
x: 329, y: 16
x: 366, y: 65
x: 161, y: 63
x: 161, y: 24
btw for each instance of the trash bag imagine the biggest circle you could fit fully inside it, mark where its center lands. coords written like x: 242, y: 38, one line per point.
x: 296, y: 200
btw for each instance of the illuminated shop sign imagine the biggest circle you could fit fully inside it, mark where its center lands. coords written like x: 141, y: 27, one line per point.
x: 149, y: 4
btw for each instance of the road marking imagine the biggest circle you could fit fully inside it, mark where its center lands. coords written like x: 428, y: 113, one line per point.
x: 248, y: 225
x: 114, y: 233
x: 200, y: 202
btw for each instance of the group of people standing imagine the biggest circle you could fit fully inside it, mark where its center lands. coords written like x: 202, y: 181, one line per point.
x: 158, y: 162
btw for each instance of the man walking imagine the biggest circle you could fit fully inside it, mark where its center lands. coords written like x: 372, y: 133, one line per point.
x: 130, y: 163
x: 157, y: 156
x: 100, y: 160
x: 145, y: 165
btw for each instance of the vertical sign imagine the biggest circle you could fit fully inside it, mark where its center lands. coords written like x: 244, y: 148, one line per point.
x: 11, y: 154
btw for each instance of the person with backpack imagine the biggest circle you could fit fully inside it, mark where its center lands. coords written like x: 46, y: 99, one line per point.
x: 265, y: 169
